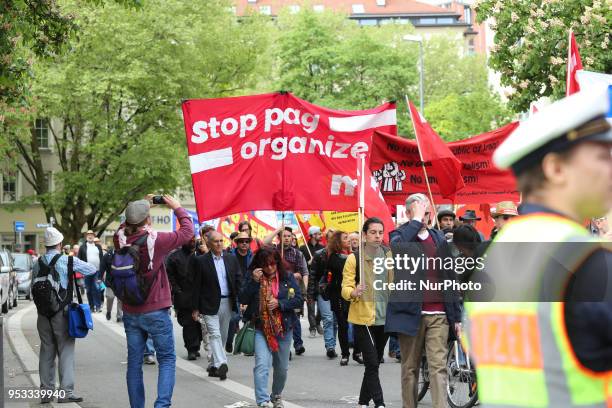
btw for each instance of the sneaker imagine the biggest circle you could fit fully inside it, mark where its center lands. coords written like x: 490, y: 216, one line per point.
x: 191, y: 355
x: 229, y: 348
x: 266, y: 404
x: 331, y: 353
x: 222, y: 371
x: 357, y: 358
x: 149, y: 359
x: 344, y: 361
x: 277, y: 402
x: 300, y: 350
x: 69, y: 398
x: 313, y: 333
x: 197, y: 354
x: 107, y: 315
x: 319, y: 329
x: 212, y: 372
x: 119, y: 320
x: 46, y: 400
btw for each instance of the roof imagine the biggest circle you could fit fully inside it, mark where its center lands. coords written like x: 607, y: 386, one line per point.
x: 391, y: 7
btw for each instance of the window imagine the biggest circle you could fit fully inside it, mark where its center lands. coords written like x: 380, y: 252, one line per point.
x: 318, y: 8
x: 471, y: 47
x: 294, y: 9
x: 427, y: 20
x: 41, y: 131
x: 267, y: 10
x: 9, y: 187
x: 358, y: 9
x: 467, y: 15
x: 446, y: 20
x: 368, y: 21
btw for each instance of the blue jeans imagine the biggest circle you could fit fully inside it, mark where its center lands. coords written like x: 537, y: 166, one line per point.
x: 149, y: 349
x: 264, y: 358
x: 158, y: 327
x: 330, y: 327
x: 297, y: 334
x: 394, y: 346
x: 93, y: 294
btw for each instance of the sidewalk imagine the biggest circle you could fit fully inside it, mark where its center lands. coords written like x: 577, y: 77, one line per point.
x: 14, y: 374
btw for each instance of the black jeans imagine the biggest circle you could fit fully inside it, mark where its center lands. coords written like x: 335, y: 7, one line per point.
x: 192, y: 331
x: 340, y: 307
x: 371, y: 341
x: 313, y: 319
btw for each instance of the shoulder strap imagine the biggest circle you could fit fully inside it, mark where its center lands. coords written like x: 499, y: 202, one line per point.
x: 71, y: 279
x: 54, y: 260
x: 141, y: 240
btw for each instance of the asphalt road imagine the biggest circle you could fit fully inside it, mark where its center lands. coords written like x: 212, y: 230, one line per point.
x: 313, y: 379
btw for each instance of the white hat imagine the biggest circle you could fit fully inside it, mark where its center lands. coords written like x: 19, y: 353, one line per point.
x: 579, y: 117
x: 53, y: 237
x: 313, y: 230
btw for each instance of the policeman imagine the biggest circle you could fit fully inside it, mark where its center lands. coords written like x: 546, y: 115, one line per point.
x: 549, y: 344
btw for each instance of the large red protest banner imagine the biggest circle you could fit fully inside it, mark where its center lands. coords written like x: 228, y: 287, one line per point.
x: 277, y: 152
x: 395, y: 163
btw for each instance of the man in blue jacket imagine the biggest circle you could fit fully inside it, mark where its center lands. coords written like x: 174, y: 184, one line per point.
x: 424, y: 321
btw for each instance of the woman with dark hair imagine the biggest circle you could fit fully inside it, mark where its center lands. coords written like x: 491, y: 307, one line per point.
x: 368, y: 307
x: 271, y: 294
x: 338, y: 249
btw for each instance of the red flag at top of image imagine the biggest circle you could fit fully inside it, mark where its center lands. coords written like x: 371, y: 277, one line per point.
x: 574, y: 64
x: 444, y: 165
x: 277, y: 152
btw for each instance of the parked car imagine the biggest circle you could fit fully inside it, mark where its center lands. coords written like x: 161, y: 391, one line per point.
x: 23, y: 268
x: 8, y: 282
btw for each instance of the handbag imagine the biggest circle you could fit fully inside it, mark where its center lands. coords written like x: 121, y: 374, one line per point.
x: 80, y: 321
x: 245, y: 340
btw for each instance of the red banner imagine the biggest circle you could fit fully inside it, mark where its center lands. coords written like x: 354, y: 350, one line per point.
x: 574, y: 64
x: 395, y: 163
x: 277, y: 152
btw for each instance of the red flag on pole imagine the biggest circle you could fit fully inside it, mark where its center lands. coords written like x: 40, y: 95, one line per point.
x: 445, y: 167
x: 371, y: 201
x: 574, y: 64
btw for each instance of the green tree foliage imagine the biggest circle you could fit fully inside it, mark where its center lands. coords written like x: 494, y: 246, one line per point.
x: 115, y: 98
x: 531, y: 43
x: 330, y: 60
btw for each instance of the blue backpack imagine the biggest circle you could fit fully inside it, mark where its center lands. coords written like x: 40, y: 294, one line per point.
x: 130, y: 278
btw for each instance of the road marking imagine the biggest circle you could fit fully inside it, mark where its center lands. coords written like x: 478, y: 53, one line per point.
x: 25, y: 353
x: 195, y: 369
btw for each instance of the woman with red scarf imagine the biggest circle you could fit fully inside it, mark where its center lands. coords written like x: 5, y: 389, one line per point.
x: 271, y: 295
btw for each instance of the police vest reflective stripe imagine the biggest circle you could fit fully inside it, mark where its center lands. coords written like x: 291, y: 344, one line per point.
x: 521, y: 349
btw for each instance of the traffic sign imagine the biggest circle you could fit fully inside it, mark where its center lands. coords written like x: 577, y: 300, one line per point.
x: 19, y: 226
x: 42, y: 225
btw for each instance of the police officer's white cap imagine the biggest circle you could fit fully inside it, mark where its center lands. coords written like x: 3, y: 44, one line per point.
x: 571, y: 120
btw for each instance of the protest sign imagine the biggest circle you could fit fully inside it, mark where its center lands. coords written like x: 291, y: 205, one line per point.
x: 396, y: 165
x: 277, y: 152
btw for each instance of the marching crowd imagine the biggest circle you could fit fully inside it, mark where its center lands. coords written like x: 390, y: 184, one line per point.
x: 266, y: 285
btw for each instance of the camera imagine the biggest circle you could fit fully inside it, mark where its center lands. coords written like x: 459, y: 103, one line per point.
x: 158, y: 199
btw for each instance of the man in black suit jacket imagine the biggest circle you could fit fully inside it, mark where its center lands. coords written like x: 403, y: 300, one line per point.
x: 217, y: 278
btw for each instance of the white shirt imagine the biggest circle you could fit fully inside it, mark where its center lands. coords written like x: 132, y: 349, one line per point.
x: 93, y: 255
x: 221, y: 274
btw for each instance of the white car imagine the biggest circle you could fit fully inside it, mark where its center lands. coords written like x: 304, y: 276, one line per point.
x: 22, y: 263
x: 8, y: 282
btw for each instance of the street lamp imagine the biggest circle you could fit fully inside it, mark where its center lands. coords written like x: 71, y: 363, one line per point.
x: 418, y: 39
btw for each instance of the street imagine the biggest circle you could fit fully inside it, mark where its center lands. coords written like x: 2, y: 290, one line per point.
x: 313, y: 380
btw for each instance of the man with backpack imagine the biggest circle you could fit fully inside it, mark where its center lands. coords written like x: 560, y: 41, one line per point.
x: 139, y: 280
x: 91, y: 252
x: 52, y: 290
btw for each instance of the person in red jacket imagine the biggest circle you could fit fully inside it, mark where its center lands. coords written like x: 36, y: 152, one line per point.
x: 152, y: 318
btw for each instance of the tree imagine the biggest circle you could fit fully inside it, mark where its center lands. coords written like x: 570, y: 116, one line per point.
x: 115, y: 98
x: 329, y: 60
x: 459, y: 101
x: 531, y: 42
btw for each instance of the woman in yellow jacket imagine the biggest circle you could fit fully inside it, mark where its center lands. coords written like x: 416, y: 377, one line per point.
x: 368, y: 297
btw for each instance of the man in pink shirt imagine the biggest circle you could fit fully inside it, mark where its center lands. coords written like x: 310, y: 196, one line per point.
x: 152, y: 318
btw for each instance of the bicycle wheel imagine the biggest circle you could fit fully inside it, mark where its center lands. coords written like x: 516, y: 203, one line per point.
x: 461, y: 388
x: 423, y: 379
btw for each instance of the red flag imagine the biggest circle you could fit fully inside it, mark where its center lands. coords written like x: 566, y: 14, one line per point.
x: 445, y: 167
x: 574, y: 64
x: 373, y: 202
